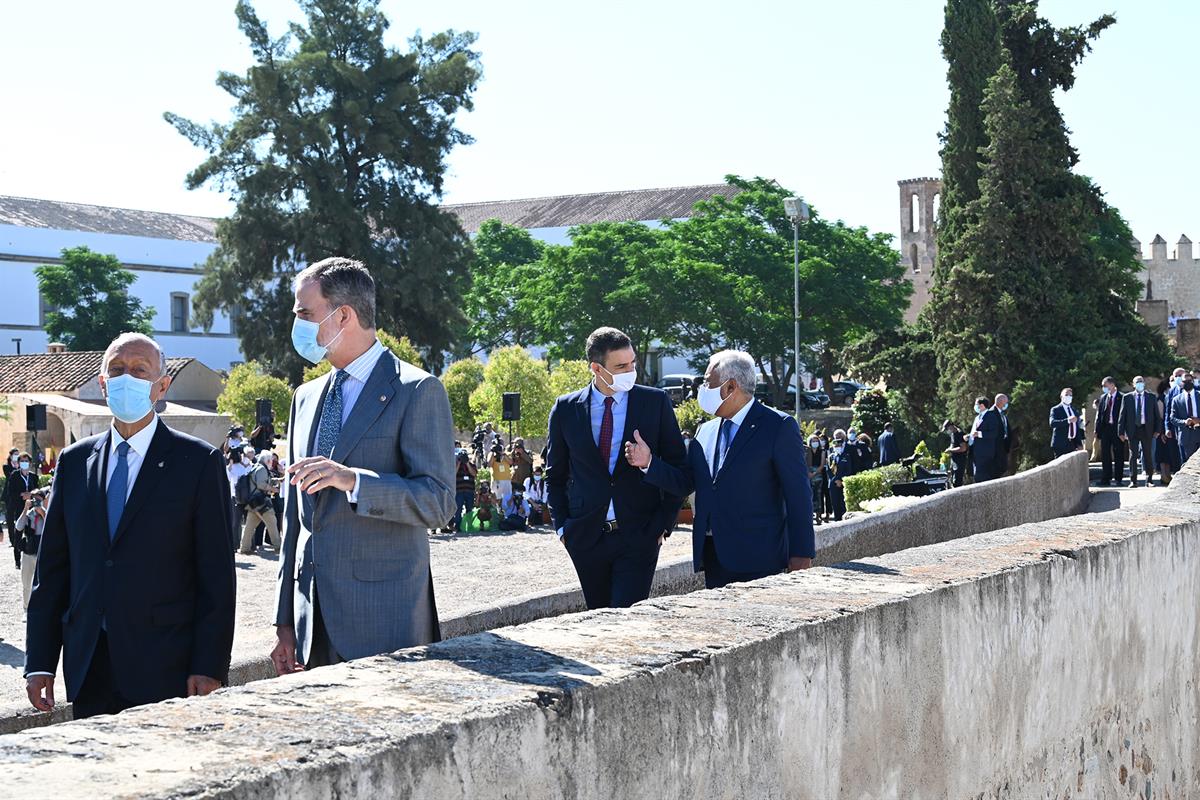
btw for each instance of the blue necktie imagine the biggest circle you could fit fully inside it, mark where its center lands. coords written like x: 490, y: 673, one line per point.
x: 331, y: 416
x: 118, y: 488
x: 722, y: 445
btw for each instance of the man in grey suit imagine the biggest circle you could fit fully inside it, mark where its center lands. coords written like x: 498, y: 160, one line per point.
x: 371, y: 469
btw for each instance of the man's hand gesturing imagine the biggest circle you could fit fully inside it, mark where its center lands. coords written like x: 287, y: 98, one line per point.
x: 637, y: 452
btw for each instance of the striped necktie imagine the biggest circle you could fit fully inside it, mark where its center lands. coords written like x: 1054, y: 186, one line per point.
x: 331, y: 416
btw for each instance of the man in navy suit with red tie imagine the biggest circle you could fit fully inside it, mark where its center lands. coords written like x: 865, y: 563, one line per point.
x: 754, y: 513
x: 1108, y: 430
x: 610, y: 518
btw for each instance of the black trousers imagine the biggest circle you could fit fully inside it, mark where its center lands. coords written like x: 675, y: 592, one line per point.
x: 99, y: 694
x: 1143, y: 441
x: 1112, y: 454
x: 14, y: 535
x: 837, y: 497
x: 716, y: 576
x: 617, y: 569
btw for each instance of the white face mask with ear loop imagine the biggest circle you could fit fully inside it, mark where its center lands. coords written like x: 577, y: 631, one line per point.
x: 621, y: 381
x: 709, y: 399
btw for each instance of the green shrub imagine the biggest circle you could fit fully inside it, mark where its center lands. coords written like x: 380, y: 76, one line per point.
x: 245, y: 384
x: 569, y: 376
x: 926, y: 459
x: 512, y: 369
x: 871, y: 412
x: 872, y: 484
x: 690, y: 416
x: 460, y: 379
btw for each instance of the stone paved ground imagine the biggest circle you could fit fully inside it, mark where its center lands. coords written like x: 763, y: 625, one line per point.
x: 469, y: 571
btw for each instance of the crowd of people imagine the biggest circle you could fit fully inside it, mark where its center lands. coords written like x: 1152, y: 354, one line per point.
x: 514, y: 499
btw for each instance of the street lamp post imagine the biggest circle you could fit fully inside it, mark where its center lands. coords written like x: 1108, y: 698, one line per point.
x: 797, y: 211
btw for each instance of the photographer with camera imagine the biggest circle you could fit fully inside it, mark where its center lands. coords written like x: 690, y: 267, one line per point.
x: 502, y: 471
x: 235, y: 440
x: 535, y: 495
x: 30, y: 524
x: 259, y: 506
x: 464, y: 487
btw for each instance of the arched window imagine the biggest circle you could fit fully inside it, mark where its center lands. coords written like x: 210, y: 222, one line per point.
x: 937, y: 207
x: 912, y: 255
x: 914, y: 219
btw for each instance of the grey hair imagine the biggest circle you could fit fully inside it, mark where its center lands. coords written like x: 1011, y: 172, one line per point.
x: 343, y: 282
x: 736, y: 366
x: 839, y: 430
x: 131, y: 338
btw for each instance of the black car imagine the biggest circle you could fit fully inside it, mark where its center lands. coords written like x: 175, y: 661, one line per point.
x: 810, y: 400
x: 844, y: 391
x: 676, y: 386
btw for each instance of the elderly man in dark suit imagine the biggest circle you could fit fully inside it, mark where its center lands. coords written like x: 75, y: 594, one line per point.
x: 371, y: 471
x: 135, y: 575
x: 1185, y: 414
x: 1140, y: 424
x: 985, y: 440
x: 611, y: 519
x: 753, y: 497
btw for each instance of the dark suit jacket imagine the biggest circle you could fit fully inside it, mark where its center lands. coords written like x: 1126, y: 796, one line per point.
x: 164, y: 585
x: 1102, y: 414
x: 579, y: 486
x: 17, y: 484
x: 1060, y: 439
x: 1130, y: 419
x: 1189, y: 438
x: 889, y: 451
x: 759, y: 507
x: 985, y: 447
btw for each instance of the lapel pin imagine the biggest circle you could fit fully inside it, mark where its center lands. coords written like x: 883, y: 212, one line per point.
x: 160, y: 464
x: 383, y: 398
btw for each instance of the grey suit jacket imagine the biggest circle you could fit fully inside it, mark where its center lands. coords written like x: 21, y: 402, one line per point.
x: 368, y: 563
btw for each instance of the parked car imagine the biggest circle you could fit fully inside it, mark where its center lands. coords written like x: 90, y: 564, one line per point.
x: 812, y: 400
x: 676, y: 386
x: 844, y: 391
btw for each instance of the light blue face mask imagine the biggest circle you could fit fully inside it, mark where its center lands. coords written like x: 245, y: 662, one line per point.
x: 304, y: 338
x: 129, y: 398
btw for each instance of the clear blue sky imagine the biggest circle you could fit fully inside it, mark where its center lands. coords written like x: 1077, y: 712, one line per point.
x: 835, y: 100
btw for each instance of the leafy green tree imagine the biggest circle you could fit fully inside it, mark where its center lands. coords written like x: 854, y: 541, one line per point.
x: 871, y: 412
x: 506, y: 259
x: 904, y: 361
x: 569, y: 376
x: 245, y: 384
x: 337, y: 147
x: 733, y: 282
x: 91, y: 292
x: 690, y: 416
x: 461, y: 379
x: 512, y: 369
x: 612, y: 273
x: 403, y: 348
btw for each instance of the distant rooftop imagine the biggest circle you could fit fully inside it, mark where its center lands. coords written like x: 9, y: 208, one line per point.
x: 638, y: 205
x: 60, y: 372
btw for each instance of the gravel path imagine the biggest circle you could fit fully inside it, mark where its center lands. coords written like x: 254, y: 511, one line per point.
x: 469, y: 571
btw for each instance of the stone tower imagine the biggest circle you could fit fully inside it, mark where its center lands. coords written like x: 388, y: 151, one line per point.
x: 919, y: 199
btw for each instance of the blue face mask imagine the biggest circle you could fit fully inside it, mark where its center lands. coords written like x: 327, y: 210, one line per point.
x: 304, y: 338
x: 1141, y: 387
x: 129, y: 398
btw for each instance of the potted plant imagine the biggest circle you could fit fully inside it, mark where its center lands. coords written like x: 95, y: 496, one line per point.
x: 686, y: 514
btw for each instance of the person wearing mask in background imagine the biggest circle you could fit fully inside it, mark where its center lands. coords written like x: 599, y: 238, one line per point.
x: 1004, y: 444
x: 889, y: 451
x: 502, y: 473
x: 1139, y: 425
x: 249, y: 457
x: 236, y: 440
x: 687, y: 440
x: 984, y: 440
x: 826, y: 489
x: 514, y: 511
x: 16, y: 492
x: 1166, y: 451
x: 464, y: 488
x: 815, y: 456
x: 522, y: 463
x: 1108, y: 431
x: 1168, y: 411
x: 1066, y: 425
x: 30, y: 523
x: 234, y: 469
x: 866, y: 452
x: 260, y: 509
x: 11, y: 466
x: 1186, y: 416
x: 853, y: 451
x: 609, y: 517
x: 748, y: 460
x: 535, y: 495
x: 957, y: 451
x: 841, y: 465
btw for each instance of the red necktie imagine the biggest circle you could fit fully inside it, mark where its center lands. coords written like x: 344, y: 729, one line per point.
x: 606, y: 431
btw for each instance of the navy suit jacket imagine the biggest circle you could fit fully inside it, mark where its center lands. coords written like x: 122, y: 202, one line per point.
x: 1060, y: 430
x: 164, y: 585
x: 579, y: 486
x: 1130, y: 420
x: 889, y: 451
x: 1189, y: 438
x: 990, y: 430
x: 759, y: 507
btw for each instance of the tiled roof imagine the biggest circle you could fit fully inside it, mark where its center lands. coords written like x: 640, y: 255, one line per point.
x: 29, y: 213
x: 641, y: 205
x: 59, y: 372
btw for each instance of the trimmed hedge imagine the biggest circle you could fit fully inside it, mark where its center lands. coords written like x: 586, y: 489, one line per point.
x: 872, y: 484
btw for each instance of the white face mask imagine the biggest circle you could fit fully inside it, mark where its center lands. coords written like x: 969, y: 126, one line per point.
x: 621, y: 381
x: 1067, y: 400
x: 710, y: 400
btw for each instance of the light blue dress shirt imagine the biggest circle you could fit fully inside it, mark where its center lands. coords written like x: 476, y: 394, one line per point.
x: 620, y: 407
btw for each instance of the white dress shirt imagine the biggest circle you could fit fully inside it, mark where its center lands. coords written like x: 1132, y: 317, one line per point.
x: 358, y: 372
x: 710, y: 440
x: 139, y: 444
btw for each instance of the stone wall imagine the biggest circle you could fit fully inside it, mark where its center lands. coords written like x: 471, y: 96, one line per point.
x: 1055, y: 659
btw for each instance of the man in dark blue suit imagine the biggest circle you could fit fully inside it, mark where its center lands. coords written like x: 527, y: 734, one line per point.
x: 609, y: 517
x: 1108, y: 431
x: 135, y: 575
x: 985, y: 440
x: 1066, y: 425
x: 753, y: 509
x: 889, y: 451
x: 1185, y: 416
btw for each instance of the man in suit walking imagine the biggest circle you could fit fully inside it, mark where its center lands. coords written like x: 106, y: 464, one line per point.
x: 1139, y: 425
x: 889, y: 451
x: 985, y: 440
x: 1108, y: 430
x: 1004, y: 444
x: 371, y: 472
x: 608, y: 516
x: 135, y: 575
x: 1185, y: 414
x: 1066, y: 425
x: 1169, y: 408
x: 753, y: 498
